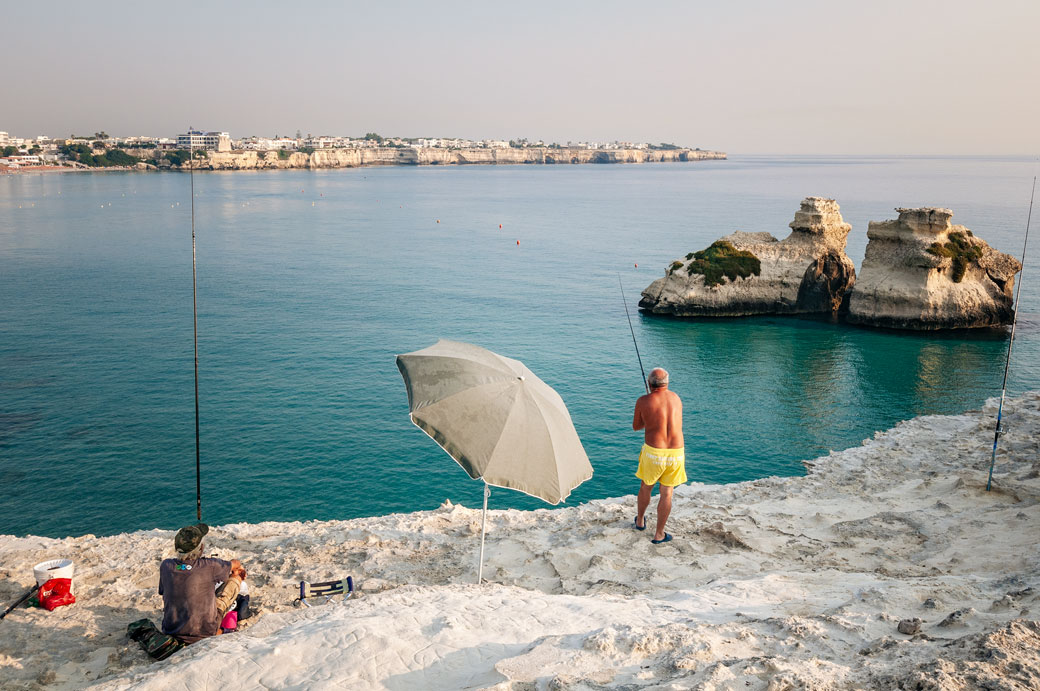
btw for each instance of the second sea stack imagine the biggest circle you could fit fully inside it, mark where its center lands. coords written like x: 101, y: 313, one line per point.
x: 921, y: 272
x: 743, y: 274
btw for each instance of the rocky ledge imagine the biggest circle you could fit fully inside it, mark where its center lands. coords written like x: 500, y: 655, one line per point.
x: 754, y: 273
x: 921, y: 272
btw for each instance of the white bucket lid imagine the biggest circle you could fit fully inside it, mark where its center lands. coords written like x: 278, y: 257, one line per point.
x: 55, y: 568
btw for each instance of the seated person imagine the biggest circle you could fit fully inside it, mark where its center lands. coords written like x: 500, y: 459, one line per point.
x: 193, y: 607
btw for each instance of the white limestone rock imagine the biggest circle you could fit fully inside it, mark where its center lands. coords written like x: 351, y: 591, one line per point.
x: 906, y: 282
x: 807, y: 272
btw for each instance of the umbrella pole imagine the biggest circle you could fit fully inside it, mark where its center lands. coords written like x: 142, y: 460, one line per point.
x: 483, y: 530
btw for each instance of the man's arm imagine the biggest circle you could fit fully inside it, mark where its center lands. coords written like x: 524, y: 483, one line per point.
x: 637, y: 418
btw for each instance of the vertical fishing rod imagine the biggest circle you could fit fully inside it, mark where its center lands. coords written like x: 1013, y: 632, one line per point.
x: 633, y: 331
x: 1011, y: 342
x: 195, y: 320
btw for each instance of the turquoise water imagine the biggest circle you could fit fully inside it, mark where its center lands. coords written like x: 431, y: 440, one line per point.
x: 311, y: 282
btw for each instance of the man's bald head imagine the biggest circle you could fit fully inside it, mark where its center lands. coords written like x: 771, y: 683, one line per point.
x: 658, y: 378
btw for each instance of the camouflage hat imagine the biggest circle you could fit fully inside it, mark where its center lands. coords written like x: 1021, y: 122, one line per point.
x: 190, y: 537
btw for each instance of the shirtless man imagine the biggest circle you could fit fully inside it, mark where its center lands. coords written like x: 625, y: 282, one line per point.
x: 662, y: 458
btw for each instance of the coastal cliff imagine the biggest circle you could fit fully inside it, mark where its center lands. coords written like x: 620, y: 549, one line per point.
x: 807, y: 272
x: 888, y: 566
x: 921, y: 272
x: 377, y: 156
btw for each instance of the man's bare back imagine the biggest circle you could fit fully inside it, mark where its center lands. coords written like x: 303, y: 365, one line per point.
x: 662, y: 459
x: 659, y: 413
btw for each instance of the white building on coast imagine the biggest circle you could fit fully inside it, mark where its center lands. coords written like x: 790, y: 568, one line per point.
x: 209, y: 141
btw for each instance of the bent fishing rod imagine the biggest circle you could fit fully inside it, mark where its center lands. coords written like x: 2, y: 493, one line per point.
x: 195, y: 322
x: 633, y: 331
x: 1011, y: 342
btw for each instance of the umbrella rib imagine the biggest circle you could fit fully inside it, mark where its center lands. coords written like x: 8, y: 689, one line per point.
x: 541, y: 400
x: 546, y: 434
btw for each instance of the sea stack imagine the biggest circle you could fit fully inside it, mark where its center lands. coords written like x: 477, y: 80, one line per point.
x: 754, y: 273
x: 921, y: 272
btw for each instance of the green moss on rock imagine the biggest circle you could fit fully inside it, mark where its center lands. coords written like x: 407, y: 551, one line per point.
x: 721, y: 261
x: 960, y: 251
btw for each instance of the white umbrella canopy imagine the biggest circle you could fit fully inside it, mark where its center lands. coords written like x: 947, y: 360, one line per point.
x: 498, y: 420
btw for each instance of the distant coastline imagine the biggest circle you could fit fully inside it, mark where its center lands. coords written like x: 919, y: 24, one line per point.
x: 403, y: 156
x: 382, y: 156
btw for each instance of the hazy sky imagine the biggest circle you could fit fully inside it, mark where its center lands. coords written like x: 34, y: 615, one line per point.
x: 956, y: 76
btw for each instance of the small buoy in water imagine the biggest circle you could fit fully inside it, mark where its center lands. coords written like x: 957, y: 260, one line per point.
x: 301, y: 191
x: 518, y: 242
x: 500, y: 226
x: 637, y: 266
x: 438, y: 220
x: 312, y: 203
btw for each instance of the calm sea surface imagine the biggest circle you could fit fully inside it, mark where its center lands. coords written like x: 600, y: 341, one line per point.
x: 311, y: 282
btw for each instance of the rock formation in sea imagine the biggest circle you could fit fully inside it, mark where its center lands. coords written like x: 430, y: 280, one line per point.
x: 754, y: 273
x: 921, y: 272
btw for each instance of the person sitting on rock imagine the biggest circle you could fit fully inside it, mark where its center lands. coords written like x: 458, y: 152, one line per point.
x: 193, y: 605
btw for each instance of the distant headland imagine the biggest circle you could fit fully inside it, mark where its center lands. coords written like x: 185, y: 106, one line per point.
x: 217, y: 151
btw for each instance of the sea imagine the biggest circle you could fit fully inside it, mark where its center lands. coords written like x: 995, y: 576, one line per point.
x: 311, y: 282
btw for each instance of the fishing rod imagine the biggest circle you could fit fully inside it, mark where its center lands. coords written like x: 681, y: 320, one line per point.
x: 195, y: 320
x: 633, y: 331
x: 1011, y: 342
x: 22, y: 599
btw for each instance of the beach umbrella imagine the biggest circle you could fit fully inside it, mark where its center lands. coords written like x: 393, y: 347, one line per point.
x: 498, y: 420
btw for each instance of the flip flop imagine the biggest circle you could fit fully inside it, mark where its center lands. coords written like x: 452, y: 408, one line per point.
x: 635, y: 522
x: 666, y: 538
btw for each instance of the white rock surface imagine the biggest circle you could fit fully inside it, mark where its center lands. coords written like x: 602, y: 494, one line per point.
x: 376, y: 156
x: 807, y: 272
x: 780, y: 583
x: 902, y: 285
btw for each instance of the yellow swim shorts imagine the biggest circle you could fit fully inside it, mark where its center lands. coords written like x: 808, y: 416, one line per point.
x: 667, y: 466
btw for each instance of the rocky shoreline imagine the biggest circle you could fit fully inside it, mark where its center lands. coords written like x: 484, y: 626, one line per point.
x: 887, y: 566
x: 428, y: 156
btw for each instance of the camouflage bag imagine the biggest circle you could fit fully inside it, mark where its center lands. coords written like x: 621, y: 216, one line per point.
x: 157, y: 644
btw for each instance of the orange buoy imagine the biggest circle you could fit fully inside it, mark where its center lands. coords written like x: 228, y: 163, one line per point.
x: 637, y: 266
x: 500, y: 226
x: 518, y: 242
x: 438, y: 220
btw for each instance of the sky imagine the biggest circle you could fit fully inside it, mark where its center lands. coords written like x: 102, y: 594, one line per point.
x: 755, y: 76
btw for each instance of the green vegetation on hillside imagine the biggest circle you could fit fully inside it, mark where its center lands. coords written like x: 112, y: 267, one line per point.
x: 177, y: 157
x: 722, y: 260
x: 957, y: 249
x: 97, y: 159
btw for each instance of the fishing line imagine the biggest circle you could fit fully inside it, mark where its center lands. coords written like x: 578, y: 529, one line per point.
x: 633, y: 331
x: 1011, y: 342
x: 195, y: 320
